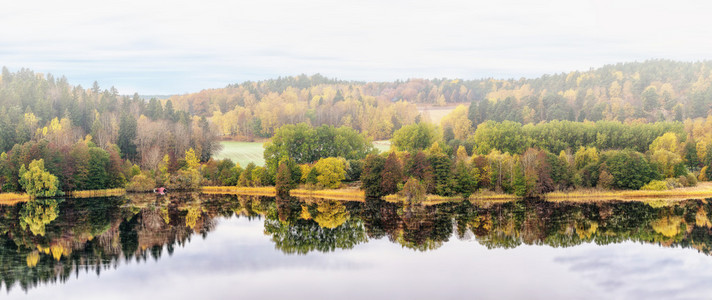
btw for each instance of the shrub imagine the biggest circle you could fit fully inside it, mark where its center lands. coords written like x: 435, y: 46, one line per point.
x: 673, y: 183
x: 185, y: 180
x: 656, y: 185
x: 691, y: 179
x: 413, y: 191
x: 141, y: 183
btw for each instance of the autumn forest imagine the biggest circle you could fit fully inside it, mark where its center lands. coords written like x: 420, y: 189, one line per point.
x: 628, y: 126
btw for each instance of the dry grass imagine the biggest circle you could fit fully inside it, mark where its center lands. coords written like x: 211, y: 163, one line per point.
x: 240, y: 190
x: 13, y: 198
x: 338, y: 194
x: 481, y: 196
x: 701, y: 191
x: 95, y: 193
x: 436, y: 113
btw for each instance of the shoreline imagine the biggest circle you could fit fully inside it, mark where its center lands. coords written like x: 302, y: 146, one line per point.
x: 702, y: 191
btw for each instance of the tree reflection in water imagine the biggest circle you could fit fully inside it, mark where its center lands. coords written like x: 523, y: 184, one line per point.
x: 45, y: 241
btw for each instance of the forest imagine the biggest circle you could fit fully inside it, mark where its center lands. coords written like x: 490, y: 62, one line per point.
x: 650, y: 91
x: 634, y: 126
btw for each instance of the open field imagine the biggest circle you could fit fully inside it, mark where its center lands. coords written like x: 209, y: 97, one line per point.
x: 382, y: 146
x: 242, y: 152
x: 247, y: 152
x: 437, y: 113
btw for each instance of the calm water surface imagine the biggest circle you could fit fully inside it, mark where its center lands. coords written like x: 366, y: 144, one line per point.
x: 192, y: 246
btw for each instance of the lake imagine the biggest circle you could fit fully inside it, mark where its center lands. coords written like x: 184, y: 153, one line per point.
x: 196, y: 246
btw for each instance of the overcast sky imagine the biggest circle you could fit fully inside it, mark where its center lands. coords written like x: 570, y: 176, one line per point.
x: 168, y: 47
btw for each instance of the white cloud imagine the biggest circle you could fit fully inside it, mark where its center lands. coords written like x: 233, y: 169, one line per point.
x: 184, y: 46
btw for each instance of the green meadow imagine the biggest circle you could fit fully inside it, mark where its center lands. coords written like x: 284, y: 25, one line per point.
x: 242, y: 152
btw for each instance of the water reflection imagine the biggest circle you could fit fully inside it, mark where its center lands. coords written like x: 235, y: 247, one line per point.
x: 47, y: 241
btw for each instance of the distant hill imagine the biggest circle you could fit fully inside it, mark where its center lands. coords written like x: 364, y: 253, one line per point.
x: 159, y: 97
x: 653, y: 90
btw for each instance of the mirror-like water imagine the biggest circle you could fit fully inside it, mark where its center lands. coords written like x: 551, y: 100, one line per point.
x: 199, y: 246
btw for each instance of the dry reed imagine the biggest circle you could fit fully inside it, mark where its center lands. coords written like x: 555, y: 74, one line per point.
x: 240, y: 190
x: 95, y: 193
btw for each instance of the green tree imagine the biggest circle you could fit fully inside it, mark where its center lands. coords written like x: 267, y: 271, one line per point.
x: 305, y: 144
x: 415, y: 137
x: 98, y: 162
x: 127, y: 135
x: 520, y: 182
x: 630, y: 169
x: 466, y: 178
x: 371, y: 175
x: 443, y: 179
x: 245, y: 178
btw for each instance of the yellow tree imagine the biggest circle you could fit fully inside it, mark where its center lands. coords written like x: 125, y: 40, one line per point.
x: 665, y: 154
x: 458, y: 121
x: 331, y: 172
x: 37, y: 181
x: 191, y: 160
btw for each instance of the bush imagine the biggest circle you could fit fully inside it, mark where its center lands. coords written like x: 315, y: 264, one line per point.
x: 691, y: 179
x: 141, y: 183
x: 185, y: 180
x: 413, y: 191
x: 655, y: 185
x: 673, y: 183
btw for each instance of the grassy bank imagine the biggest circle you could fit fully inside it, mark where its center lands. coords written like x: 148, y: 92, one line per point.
x: 12, y: 198
x: 701, y: 191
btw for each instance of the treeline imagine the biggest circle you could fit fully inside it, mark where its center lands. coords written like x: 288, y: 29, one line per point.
x: 34, y: 107
x: 43, y: 169
x: 532, y: 160
x: 654, y: 90
x: 507, y: 157
x: 89, y: 138
x: 650, y: 91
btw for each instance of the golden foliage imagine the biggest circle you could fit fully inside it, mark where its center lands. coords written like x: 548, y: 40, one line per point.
x: 668, y: 226
x: 32, y: 259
